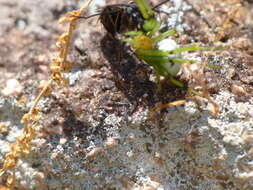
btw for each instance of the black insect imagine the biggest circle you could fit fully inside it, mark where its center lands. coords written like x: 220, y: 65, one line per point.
x: 120, y: 18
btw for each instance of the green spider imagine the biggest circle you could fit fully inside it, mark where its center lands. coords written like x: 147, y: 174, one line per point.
x: 163, y: 54
x: 140, y: 28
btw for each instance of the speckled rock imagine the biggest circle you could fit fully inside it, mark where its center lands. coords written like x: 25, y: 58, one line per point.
x: 98, y: 133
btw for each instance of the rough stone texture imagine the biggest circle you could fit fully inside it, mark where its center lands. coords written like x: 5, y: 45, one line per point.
x: 98, y: 133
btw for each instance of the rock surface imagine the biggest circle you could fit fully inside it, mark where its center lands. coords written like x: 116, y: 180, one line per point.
x: 98, y: 133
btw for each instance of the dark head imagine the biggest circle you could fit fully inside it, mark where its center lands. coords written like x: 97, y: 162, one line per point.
x: 119, y: 18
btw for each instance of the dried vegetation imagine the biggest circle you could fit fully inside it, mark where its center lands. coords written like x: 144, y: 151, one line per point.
x: 122, y: 88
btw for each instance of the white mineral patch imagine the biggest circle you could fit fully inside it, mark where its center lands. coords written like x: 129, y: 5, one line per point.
x: 13, y: 87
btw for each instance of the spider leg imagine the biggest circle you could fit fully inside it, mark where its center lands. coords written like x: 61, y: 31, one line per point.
x: 161, y: 36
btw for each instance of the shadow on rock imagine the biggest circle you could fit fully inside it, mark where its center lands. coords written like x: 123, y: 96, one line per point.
x: 131, y: 76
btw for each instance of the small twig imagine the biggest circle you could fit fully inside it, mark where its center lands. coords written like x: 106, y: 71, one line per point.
x: 36, y: 101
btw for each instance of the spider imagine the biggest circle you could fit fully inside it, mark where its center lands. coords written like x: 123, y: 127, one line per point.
x: 138, y: 24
